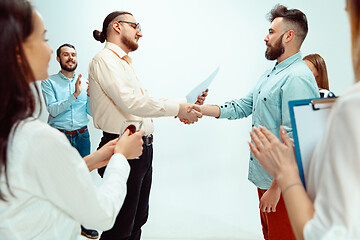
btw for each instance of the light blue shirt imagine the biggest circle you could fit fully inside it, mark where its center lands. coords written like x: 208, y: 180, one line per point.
x: 65, y: 111
x: 268, y: 103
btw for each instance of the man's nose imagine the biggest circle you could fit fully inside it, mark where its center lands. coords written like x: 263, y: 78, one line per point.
x: 266, y: 39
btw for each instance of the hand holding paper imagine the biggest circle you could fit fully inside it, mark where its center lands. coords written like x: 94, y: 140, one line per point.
x: 199, y: 90
x: 201, y: 99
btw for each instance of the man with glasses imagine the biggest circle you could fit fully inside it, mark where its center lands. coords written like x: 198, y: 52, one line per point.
x: 117, y: 96
x: 289, y: 79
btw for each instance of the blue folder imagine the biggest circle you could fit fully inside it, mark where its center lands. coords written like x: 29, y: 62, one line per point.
x: 312, y: 116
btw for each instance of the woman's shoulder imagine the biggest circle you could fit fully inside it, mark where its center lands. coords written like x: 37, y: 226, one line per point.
x: 34, y: 131
x: 348, y: 103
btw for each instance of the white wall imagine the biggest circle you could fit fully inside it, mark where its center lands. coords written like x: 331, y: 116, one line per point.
x: 200, y: 187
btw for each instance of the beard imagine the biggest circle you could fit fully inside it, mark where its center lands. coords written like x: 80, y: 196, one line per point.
x: 66, y: 68
x: 131, y: 44
x: 275, y: 51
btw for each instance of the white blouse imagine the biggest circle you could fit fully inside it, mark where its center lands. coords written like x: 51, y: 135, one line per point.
x: 334, y: 175
x: 52, y: 187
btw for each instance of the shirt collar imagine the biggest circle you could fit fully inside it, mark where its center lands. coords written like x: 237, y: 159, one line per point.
x: 61, y: 75
x: 287, y: 62
x: 115, y: 48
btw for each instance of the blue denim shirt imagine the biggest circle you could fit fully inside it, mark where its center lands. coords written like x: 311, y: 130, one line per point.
x: 268, y: 103
x: 65, y: 111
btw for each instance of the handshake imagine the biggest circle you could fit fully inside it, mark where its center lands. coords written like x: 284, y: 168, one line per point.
x: 190, y: 113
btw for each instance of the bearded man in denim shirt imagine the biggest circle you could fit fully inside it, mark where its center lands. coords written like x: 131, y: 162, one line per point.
x: 289, y: 79
x: 68, y: 106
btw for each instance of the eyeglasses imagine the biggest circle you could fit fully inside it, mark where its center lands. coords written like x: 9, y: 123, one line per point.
x: 133, y: 24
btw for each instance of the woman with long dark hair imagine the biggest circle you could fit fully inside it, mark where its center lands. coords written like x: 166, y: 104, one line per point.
x: 317, y: 66
x: 46, y: 191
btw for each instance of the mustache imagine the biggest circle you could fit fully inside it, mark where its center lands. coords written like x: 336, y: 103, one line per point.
x: 70, y: 61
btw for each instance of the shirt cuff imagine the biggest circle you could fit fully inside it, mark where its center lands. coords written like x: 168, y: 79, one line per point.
x: 171, y: 108
x: 118, y: 163
x: 223, y: 111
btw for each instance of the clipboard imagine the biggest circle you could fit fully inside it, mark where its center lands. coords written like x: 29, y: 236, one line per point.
x: 308, y: 121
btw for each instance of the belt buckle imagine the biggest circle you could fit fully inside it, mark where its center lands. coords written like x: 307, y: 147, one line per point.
x: 148, y: 140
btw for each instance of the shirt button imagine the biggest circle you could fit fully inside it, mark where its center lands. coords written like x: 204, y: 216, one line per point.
x: 264, y: 99
x: 259, y: 92
x: 268, y: 75
x: 251, y: 158
x: 221, y: 106
x: 225, y: 105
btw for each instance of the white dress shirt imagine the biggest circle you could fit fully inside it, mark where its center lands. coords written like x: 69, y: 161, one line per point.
x: 52, y: 187
x: 333, y: 181
x: 117, y: 95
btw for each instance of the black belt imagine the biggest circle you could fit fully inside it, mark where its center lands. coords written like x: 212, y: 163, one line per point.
x: 148, y: 140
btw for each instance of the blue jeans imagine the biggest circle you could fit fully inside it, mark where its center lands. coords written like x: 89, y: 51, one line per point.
x: 81, y: 142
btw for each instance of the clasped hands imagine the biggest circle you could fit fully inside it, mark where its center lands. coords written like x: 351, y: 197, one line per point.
x: 190, y: 113
x: 130, y: 146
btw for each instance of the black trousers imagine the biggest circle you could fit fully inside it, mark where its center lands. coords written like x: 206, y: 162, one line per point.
x: 135, y: 210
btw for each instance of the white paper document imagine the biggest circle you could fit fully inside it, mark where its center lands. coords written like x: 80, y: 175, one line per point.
x: 192, y: 96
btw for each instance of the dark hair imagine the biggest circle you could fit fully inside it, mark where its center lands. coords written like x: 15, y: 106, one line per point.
x: 294, y: 17
x: 16, y: 97
x: 58, y: 51
x: 101, y: 36
x: 319, y: 63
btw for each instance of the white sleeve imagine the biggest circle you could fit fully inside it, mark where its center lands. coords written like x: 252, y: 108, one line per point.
x: 337, y: 178
x: 65, y: 180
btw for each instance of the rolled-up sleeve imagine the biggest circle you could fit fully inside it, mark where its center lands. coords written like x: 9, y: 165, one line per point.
x: 237, y: 109
x: 54, y: 106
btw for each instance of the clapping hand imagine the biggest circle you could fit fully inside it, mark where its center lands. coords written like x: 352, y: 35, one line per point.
x: 77, y: 87
x: 275, y: 156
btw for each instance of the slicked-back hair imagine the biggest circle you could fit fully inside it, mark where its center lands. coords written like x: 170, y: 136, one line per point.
x: 294, y: 18
x: 101, y: 36
x: 58, y: 51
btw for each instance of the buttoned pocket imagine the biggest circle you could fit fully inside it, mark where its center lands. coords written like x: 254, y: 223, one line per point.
x: 270, y: 111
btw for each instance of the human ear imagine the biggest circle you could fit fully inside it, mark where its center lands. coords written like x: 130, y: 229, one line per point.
x: 117, y: 27
x: 289, y: 35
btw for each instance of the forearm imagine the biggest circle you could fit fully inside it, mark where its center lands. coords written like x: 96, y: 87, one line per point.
x: 56, y: 108
x: 90, y: 161
x: 275, y: 187
x: 88, y: 107
x: 298, y: 204
x: 210, y: 110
